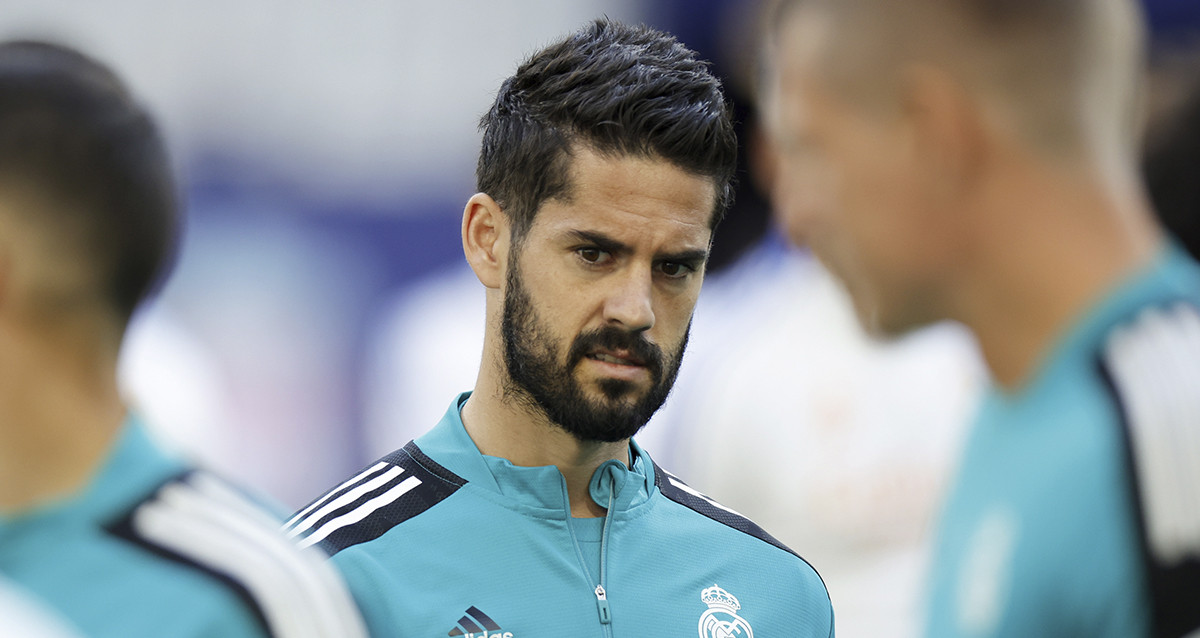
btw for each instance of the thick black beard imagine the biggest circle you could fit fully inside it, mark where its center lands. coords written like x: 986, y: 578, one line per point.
x: 538, y: 380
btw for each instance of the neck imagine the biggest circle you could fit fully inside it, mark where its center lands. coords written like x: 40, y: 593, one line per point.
x: 60, y: 413
x: 1048, y: 257
x: 513, y: 430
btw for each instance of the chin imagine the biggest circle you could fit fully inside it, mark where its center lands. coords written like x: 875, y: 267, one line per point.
x: 613, y: 392
x: 884, y: 332
x: 884, y: 327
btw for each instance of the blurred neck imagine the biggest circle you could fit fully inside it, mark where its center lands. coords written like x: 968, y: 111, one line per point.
x: 1052, y: 241
x: 60, y: 410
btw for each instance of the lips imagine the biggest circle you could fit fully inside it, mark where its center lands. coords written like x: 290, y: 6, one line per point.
x: 619, y: 358
x: 612, y: 346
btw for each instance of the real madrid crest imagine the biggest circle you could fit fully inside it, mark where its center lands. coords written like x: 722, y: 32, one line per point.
x: 721, y: 619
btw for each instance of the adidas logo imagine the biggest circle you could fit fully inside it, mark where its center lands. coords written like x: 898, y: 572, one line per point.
x: 476, y: 624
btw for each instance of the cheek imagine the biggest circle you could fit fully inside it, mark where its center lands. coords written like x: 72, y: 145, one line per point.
x: 875, y: 242
x: 673, y: 315
x: 882, y: 205
x: 804, y: 198
x: 557, y: 306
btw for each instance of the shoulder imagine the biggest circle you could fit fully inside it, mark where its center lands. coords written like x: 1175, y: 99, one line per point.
x: 198, y: 522
x: 396, y: 488
x: 743, y: 553
x: 676, y: 490
x: 1151, y: 365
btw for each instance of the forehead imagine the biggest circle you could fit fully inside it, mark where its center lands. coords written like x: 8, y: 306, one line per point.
x: 850, y: 57
x: 804, y: 36
x: 632, y: 198
x: 796, y: 70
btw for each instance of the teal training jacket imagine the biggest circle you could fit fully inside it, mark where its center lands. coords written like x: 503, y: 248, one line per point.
x: 152, y: 547
x: 437, y: 539
x: 1076, y: 513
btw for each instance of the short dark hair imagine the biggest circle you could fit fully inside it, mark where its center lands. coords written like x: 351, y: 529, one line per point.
x: 71, y: 131
x: 619, y: 90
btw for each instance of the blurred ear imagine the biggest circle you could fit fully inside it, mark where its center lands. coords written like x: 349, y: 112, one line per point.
x: 947, y: 127
x: 485, y: 237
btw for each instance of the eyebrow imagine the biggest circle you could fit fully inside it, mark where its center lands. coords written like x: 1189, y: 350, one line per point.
x: 602, y: 241
x: 610, y: 245
x: 689, y: 257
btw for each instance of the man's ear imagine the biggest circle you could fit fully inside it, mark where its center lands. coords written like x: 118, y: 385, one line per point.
x: 485, y: 238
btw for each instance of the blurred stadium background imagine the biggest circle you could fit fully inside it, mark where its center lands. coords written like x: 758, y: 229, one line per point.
x: 320, y: 313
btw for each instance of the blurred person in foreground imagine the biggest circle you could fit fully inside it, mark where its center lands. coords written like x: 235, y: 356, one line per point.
x: 854, y: 440
x: 528, y: 510
x: 977, y: 161
x: 22, y: 616
x: 96, y: 522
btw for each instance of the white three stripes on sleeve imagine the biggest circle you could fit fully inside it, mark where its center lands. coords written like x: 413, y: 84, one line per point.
x: 321, y: 501
x: 1155, y: 364
x: 299, y: 593
x: 361, y: 512
x: 344, y: 500
x: 372, y: 479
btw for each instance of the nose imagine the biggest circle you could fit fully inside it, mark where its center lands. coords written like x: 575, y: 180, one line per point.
x: 629, y: 302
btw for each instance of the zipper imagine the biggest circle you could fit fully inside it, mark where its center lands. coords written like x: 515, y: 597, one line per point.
x: 602, y: 604
x: 603, y: 611
x: 601, y: 595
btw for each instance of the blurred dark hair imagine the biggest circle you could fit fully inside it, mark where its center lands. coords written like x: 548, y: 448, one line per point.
x: 618, y: 89
x: 71, y: 130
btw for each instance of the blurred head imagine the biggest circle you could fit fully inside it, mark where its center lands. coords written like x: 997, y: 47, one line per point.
x: 87, y: 203
x: 610, y: 155
x: 889, y: 115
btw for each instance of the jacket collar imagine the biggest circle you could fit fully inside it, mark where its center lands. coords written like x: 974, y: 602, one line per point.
x: 539, y: 488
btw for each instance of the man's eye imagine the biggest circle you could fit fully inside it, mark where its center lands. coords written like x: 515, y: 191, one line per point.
x: 592, y: 255
x: 673, y: 269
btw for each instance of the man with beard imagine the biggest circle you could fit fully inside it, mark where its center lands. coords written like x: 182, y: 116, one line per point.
x: 528, y: 510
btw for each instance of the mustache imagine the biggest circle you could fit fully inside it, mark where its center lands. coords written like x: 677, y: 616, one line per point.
x: 613, y: 338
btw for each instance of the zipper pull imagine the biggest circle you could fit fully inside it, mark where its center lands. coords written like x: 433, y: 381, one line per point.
x: 602, y: 605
